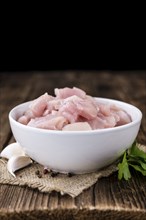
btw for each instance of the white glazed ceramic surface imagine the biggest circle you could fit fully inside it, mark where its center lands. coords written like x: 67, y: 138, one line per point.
x: 76, y: 151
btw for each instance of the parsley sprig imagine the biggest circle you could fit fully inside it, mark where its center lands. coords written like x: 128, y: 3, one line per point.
x: 134, y: 157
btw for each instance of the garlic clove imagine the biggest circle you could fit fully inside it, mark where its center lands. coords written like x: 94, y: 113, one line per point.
x: 17, y: 162
x: 11, y: 150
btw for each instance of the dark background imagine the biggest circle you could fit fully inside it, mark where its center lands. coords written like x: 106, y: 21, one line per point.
x: 105, y: 45
x: 76, y: 65
x: 72, y: 62
x: 73, y: 58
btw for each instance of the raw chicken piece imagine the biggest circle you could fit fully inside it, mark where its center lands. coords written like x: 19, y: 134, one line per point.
x: 50, y: 122
x: 124, y: 118
x: 67, y: 92
x: 71, y: 117
x: 105, y: 109
x: 87, y: 109
x: 23, y: 120
x: 110, y: 121
x: 97, y: 123
x: 73, y: 109
x: 102, y: 121
x: 78, y: 126
x: 76, y: 107
x: 54, y: 104
x: 38, y: 106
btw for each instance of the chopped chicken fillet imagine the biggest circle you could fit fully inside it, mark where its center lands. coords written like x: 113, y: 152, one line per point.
x: 78, y: 126
x: 72, y: 110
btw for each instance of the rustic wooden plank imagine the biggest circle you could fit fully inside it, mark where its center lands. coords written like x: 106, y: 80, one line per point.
x: 42, y: 201
x: 53, y: 200
x: 86, y: 199
x: 14, y: 203
x: 66, y: 202
x: 119, y: 195
x: 3, y: 190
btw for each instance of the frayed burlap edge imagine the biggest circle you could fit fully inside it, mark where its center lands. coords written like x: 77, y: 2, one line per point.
x: 72, y: 186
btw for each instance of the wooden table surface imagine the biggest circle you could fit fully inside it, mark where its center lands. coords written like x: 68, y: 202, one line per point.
x: 108, y: 198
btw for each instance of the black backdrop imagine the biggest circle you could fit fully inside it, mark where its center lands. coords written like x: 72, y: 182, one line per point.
x: 63, y: 60
x: 51, y: 65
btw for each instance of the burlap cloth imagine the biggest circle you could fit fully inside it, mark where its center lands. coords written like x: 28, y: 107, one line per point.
x: 61, y: 183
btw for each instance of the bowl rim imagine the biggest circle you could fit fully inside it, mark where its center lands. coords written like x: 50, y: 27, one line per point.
x: 60, y: 132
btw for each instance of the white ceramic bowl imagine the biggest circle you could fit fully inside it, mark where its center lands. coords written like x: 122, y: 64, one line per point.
x: 76, y: 151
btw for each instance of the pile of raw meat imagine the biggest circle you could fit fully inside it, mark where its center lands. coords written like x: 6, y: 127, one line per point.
x: 72, y: 110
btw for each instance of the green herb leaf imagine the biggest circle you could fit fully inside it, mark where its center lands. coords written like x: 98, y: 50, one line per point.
x: 124, y: 169
x: 135, y: 151
x: 139, y: 168
x: 137, y: 161
x: 135, y: 158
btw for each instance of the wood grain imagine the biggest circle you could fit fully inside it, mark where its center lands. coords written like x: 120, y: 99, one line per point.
x: 108, y: 198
